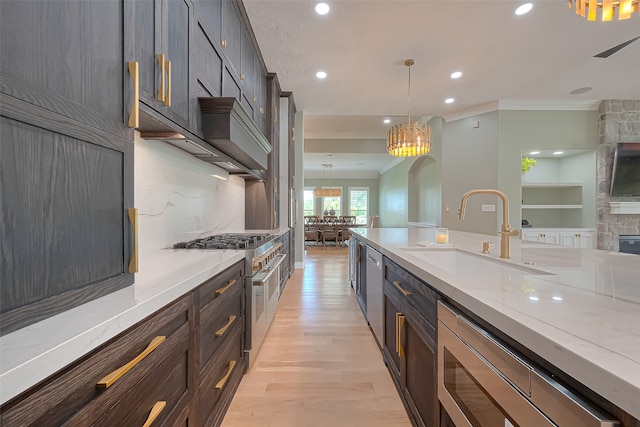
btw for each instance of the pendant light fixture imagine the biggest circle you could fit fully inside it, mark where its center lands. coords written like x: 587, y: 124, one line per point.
x: 409, y: 139
x: 330, y: 191
x: 608, y: 8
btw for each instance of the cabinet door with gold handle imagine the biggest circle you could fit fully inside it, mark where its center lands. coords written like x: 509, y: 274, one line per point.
x: 405, y: 292
x: 110, y: 379
x: 155, y: 411
x: 224, y: 379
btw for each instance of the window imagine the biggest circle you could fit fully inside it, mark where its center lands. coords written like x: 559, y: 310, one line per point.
x: 330, y: 204
x: 359, y: 204
x: 308, y: 202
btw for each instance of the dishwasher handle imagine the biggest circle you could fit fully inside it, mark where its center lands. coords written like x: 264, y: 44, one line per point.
x: 373, y: 260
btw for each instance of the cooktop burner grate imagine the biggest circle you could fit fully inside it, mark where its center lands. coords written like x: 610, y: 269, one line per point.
x: 225, y: 241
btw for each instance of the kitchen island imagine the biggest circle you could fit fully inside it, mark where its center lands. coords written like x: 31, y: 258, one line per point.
x: 577, y: 309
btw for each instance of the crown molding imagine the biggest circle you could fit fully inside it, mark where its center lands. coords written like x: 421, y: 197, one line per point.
x: 524, y: 104
x: 341, y: 175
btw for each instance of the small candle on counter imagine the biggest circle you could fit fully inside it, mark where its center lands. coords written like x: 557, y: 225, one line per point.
x: 442, y: 235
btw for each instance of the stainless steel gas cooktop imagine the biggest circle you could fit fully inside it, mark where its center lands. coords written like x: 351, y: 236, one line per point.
x: 227, y: 241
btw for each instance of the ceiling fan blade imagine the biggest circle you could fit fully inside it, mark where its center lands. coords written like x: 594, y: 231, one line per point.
x: 607, y: 53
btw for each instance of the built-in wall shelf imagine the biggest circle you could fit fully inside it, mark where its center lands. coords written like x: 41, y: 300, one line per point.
x: 550, y: 184
x: 551, y: 206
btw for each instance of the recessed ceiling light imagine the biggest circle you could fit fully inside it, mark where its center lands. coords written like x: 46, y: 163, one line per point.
x: 456, y: 74
x: 321, y: 74
x: 534, y: 298
x: 322, y: 8
x: 534, y: 153
x: 449, y: 101
x: 557, y: 298
x: 525, y: 8
x: 386, y: 121
x: 557, y: 153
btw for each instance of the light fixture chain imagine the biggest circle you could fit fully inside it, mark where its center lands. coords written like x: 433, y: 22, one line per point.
x: 409, y: 97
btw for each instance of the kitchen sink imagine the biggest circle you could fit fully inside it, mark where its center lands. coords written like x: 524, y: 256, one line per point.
x: 468, y: 264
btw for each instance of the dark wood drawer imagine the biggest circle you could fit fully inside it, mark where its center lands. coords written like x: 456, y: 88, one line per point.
x: 220, y: 380
x: 164, y: 387
x: 218, y: 321
x: 73, y: 392
x: 217, y: 287
x: 411, y: 291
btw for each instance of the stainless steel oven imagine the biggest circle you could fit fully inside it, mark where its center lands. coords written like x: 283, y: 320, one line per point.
x: 265, y: 292
x: 483, y: 383
x: 264, y: 262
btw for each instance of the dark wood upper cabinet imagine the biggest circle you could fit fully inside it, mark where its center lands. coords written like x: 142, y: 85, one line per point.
x: 67, y: 158
x: 158, y: 35
x: 66, y: 57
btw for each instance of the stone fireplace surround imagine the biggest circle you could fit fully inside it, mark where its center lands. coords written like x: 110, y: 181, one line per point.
x: 619, y: 121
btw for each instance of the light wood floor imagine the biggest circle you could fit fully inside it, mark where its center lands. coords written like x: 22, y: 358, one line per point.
x: 319, y: 365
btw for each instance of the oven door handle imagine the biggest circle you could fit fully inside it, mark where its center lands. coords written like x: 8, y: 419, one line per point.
x: 261, y: 279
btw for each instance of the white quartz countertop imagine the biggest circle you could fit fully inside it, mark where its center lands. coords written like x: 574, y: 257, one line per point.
x: 31, y: 354
x: 577, y: 308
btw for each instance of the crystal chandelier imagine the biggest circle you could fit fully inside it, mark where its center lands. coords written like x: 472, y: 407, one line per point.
x: 409, y: 139
x: 588, y: 8
x: 327, y: 191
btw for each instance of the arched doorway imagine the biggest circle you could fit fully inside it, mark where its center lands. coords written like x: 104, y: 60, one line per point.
x: 425, y: 192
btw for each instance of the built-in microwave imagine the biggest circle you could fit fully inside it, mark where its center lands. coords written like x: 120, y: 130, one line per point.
x: 482, y: 383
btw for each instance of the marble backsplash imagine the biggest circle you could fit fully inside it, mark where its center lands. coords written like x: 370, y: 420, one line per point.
x: 178, y: 199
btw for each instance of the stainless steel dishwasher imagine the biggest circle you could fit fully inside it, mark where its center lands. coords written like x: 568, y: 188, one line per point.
x: 375, y: 299
x: 483, y: 383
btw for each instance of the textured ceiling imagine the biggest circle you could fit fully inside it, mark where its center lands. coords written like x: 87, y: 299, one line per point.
x: 362, y: 45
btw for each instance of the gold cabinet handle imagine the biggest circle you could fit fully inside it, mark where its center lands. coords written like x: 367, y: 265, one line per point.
x: 133, y: 219
x: 255, y: 99
x: 405, y: 292
x: 224, y: 379
x: 229, y: 284
x: 242, y: 76
x: 397, y: 332
x: 222, y: 330
x: 111, y: 378
x: 167, y: 97
x: 399, y: 325
x: 134, y: 115
x: 161, y: 63
x: 155, y: 411
x: 224, y: 43
x: 261, y: 110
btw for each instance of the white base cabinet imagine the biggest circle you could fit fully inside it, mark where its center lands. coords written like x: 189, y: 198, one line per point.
x: 573, y: 237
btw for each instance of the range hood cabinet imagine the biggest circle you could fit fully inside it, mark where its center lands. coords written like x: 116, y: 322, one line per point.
x: 229, y: 129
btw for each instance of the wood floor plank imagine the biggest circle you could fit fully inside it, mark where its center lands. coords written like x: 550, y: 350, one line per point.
x: 319, y: 365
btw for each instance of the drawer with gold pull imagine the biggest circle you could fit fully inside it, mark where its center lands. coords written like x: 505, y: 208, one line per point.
x: 159, y: 395
x: 84, y: 391
x: 217, y: 323
x: 412, y: 291
x: 221, y: 378
x: 217, y: 289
